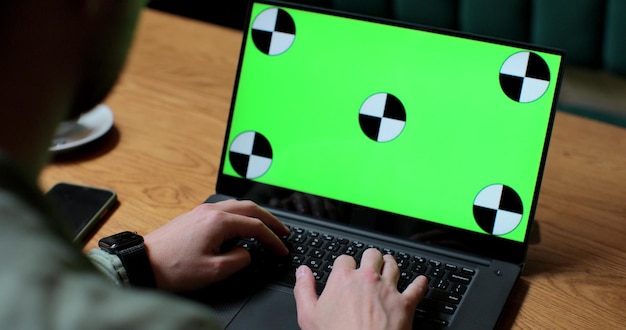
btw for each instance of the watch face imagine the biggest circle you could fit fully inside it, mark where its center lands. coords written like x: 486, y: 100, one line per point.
x: 120, y: 241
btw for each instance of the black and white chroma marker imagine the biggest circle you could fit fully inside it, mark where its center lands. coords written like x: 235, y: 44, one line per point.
x: 250, y: 154
x: 382, y: 117
x: 498, y: 209
x: 273, y: 31
x: 524, y: 77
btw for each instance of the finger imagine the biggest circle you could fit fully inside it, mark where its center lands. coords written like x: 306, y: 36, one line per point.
x: 243, y: 226
x: 373, y: 259
x: 344, y: 261
x: 305, y: 295
x: 390, y: 269
x: 415, y: 290
x: 252, y: 210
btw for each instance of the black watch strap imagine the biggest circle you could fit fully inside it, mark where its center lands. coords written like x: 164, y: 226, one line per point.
x: 131, y: 250
x: 137, y: 265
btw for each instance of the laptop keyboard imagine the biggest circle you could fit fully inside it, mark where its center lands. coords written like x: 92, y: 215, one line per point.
x: 447, y: 282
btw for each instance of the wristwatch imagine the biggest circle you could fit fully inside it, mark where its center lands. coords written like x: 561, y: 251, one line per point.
x: 129, y: 247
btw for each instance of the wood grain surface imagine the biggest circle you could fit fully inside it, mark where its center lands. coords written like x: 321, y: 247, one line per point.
x: 162, y: 156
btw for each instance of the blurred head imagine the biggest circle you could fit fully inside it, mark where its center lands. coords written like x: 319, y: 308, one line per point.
x: 110, y: 36
x: 58, y: 59
x: 91, y: 36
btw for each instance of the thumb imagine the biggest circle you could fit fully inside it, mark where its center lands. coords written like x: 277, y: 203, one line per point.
x: 306, y: 296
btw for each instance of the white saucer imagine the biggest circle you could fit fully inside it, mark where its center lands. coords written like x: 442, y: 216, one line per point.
x: 91, y: 126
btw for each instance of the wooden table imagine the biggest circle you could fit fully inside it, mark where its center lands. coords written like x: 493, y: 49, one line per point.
x: 162, y: 157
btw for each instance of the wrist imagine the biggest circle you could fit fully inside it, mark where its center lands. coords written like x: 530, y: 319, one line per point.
x: 131, y: 250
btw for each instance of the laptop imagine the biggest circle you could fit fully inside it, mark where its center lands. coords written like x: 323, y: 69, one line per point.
x: 361, y: 132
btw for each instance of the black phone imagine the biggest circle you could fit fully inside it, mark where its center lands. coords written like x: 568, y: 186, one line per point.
x: 84, y: 207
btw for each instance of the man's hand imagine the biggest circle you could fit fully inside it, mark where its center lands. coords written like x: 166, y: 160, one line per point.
x: 185, y: 253
x: 364, y: 298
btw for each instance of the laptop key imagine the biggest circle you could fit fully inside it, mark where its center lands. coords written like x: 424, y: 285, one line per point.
x: 419, y: 260
x: 300, y: 249
x: 372, y: 246
x: 299, y: 238
x: 297, y: 259
x: 458, y: 288
x: 316, y: 243
x: 407, y: 276
x: 451, y: 267
x: 468, y: 271
x: 436, y: 272
x: 317, y: 253
x: 318, y: 274
x: 420, y: 269
x: 403, y: 264
x: 429, y: 304
x: 434, y: 263
x: 439, y: 284
x: 314, y: 263
x: 446, y: 297
x: 459, y: 279
x: 351, y: 251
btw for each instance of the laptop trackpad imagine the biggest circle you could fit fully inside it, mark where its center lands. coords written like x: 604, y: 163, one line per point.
x: 274, y: 307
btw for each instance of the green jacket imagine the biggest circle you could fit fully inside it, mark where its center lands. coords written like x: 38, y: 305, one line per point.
x: 47, y: 283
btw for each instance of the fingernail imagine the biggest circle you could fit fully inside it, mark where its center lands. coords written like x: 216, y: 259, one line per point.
x: 300, y: 272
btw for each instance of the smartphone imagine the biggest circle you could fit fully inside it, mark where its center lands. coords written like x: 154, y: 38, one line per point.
x: 84, y: 207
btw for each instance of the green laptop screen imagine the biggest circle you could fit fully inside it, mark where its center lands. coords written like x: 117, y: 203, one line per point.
x: 430, y: 126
